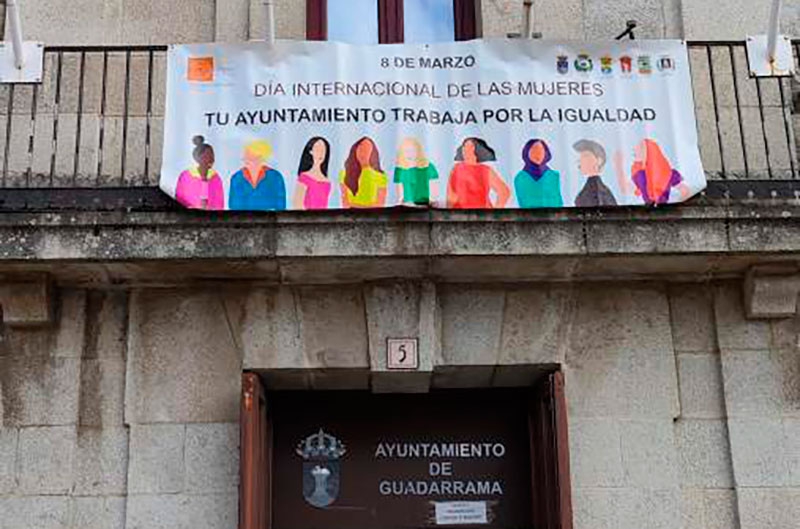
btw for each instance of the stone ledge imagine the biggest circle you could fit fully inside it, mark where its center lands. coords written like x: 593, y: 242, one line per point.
x: 771, y: 291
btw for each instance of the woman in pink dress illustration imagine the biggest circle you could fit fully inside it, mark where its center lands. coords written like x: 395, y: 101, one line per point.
x: 200, y: 187
x: 313, y: 186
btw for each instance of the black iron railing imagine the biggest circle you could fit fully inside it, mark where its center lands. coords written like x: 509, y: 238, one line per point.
x: 97, y: 118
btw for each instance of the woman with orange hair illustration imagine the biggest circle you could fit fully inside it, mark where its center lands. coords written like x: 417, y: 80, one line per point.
x: 651, y: 174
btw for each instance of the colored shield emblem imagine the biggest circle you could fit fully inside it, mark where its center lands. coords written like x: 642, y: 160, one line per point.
x: 321, y: 482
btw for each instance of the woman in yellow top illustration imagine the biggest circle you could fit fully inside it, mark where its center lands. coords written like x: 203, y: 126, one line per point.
x: 364, y: 184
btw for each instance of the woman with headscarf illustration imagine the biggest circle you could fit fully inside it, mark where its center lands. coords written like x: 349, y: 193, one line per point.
x: 363, y: 181
x: 313, y: 186
x: 537, y: 185
x: 414, y: 174
x: 257, y: 186
x: 472, y: 180
x: 652, y: 175
x: 200, y: 187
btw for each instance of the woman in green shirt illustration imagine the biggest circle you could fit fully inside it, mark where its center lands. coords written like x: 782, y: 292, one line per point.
x: 537, y: 185
x: 414, y: 174
x: 362, y: 180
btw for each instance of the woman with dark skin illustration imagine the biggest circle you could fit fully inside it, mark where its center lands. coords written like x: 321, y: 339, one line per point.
x: 200, y: 187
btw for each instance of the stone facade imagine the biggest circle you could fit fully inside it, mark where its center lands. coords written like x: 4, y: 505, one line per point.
x: 123, y: 412
x: 121, y: 354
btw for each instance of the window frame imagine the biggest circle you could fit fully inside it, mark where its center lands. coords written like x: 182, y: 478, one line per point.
x: 390, y: 20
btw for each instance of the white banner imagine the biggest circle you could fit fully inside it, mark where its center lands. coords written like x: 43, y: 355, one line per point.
x: 472, y: 125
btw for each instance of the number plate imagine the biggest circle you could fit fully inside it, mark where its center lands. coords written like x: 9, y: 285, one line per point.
x: 402, y: 353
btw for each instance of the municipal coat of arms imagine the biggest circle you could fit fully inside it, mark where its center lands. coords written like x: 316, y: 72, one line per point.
x: 321, y: 468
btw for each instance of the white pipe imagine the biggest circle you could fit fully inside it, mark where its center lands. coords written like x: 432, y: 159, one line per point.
x: 269, y: 21
x: 527, y: 7
x: 15, y: 28
x: 774, y: 27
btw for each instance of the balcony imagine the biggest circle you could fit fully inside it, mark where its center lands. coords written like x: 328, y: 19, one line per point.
x: 97, y: 119
x: 79, y: 167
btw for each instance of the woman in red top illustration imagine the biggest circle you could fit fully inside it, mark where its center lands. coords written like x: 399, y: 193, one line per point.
x: 472, y: 180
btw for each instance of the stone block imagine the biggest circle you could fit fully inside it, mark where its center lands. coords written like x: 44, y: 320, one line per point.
x: 231, y: 21
x: 26, y: 303
x: 156, y: 458
x: 35, y: 512
x: 334, y: 327
x: 155, y: 512
x: 720, y: 509
x: 610, y: 370
x: 184, y: 364
x: 464, y: 376
x: 338, y: 379
x: 500, y: 18
x: 501, y: 238
x: 651, y: 508
x: 8, y: 460
x: 559, y: 19
x: 648, y: 454
x: 290, y: 20
x: 46, y: 457
x: 177, y: 511
x: 535, y: 324
x: 106, y: 326
x: 691, y: 309
x: 212, y: 458
x: 692, y: 509
x: 156, y: 22
x: 734, y: 331
x: 271, y: 330
x: 38, y: 390
x: 596, y: 453
x: 98, y: 513
x: 64, y: 22
x: 594, y: 508
x: 604, y: 20
x: 345, y: 239
x: 472, y: 320
x: 71, y: 324
x: 771, y: 295
x: 700, y: 385
x: 791, y: 440
x: 704, y: 453
x: 755, y: 383
x: 768, y: 508
x: 101, y: 462
x: 759, y: 452
x: 393, y: 311
x: 402, y: 310
x: 102, y: 393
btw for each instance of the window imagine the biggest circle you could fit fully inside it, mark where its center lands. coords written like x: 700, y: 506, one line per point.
x: 387, y: 21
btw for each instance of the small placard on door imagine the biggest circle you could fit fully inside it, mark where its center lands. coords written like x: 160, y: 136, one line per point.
x: 401, y: 353
x: 461, y: 513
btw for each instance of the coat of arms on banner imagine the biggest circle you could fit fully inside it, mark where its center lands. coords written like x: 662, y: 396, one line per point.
x: 321, y: 468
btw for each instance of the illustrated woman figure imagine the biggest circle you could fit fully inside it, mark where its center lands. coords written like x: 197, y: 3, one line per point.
x: 363, y: 181
x: 537, y: 185
x: 414, y: 174
x: 472, y: 180
x: 200, y: 187
x: 256, y: 186
x: 652, y: 175
x: 313, y: 186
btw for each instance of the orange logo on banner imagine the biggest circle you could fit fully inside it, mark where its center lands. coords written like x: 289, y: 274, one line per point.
x: 201, y: 69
